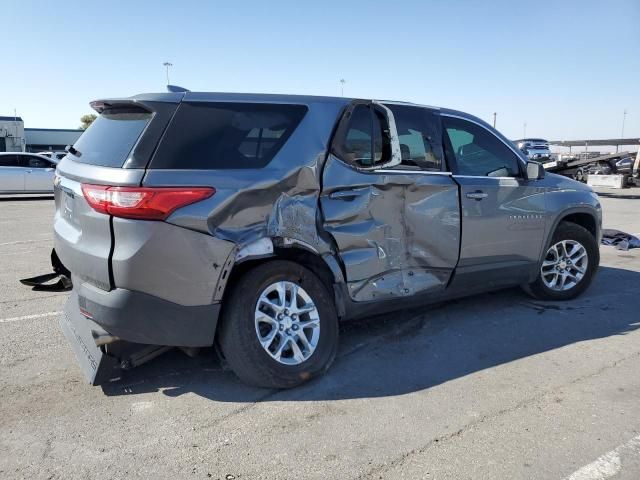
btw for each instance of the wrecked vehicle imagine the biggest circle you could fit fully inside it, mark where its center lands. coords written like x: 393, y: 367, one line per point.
x: 615, y: 166
x: 256, y: 222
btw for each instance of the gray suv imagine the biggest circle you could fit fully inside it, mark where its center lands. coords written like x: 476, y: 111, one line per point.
x: 254, y: 223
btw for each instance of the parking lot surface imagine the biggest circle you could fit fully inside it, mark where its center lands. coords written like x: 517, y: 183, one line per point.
x: 493, y: 386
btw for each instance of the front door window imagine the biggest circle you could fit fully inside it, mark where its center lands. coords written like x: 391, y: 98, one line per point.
x: 476, y: 151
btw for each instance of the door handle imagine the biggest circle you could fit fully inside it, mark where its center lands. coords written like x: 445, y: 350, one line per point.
x: 344, y: 194
x: 477, y: 195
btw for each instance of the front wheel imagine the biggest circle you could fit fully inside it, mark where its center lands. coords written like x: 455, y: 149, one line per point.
x: 568, y: 266
x: 279, y: 326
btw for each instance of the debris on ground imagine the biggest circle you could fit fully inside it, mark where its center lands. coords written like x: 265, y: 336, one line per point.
x: 41, y: 282
x: 620, y: 240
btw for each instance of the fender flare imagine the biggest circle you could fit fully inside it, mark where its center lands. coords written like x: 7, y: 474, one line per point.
x: 560, y: 217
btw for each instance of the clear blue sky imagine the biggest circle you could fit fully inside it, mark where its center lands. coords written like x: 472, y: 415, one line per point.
x: 567, y: 68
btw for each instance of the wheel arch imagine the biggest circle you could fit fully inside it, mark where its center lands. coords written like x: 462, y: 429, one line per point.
x: 585, y: 217
x: 325, y: 267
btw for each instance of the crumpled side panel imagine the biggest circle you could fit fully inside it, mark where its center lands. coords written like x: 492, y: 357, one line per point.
x: 398, y: 233
x: 398, y: 283
x: 361, y: 212
x: 294, y: 217
x: 277, y: 207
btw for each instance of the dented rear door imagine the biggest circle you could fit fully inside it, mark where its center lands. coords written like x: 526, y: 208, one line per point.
x: 362, y: 212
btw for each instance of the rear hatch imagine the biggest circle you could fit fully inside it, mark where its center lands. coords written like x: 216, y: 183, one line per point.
x: 113, y: 151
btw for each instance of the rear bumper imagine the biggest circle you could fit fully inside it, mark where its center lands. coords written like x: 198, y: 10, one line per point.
x: 142, y: 318
x: 96, y: 366
x: 101, y: 363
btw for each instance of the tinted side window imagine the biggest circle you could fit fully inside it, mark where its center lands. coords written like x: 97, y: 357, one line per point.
x: 478, y: 152
x: 205, y: 136
x: 366, y: 141
x: 9, y: 161
x: 419, y: 134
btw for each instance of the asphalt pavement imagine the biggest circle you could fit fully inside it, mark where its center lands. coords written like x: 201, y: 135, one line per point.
x: 495, y: 386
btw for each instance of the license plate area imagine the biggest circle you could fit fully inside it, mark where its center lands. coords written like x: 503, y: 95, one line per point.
x: 68, y: 205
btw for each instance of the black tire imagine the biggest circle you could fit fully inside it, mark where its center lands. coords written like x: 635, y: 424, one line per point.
x: 568, y: 231
x: 239, y: 342
x: 579, y: 176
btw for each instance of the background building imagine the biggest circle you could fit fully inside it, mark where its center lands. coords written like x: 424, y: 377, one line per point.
x: 47, y: 139
x: 11, y: 134
x: 15, y: 138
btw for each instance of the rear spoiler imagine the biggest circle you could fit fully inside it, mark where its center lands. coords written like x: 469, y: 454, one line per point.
x: 145, y: 101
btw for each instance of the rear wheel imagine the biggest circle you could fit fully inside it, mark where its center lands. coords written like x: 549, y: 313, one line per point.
x: 568, y: 266
x: 279, y: 326
x: 579, y: 175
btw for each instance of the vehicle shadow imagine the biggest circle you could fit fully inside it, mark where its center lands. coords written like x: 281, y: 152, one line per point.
x: 13, y: 198
x: 417, y: 349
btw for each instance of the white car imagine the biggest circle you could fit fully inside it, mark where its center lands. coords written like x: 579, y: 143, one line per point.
x: 26, y: 173
x: 55, y: 155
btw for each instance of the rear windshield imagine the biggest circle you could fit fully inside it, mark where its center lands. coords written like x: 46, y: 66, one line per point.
x: 207, y: 136
x: 110, y: 138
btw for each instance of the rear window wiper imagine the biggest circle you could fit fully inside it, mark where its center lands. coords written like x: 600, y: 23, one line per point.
x: 70, y: 149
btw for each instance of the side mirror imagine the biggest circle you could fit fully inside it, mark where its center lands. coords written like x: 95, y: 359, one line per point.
x: 535, y: 171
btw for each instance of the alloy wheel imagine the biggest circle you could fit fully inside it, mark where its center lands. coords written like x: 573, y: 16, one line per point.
x: 287, y: 323
x: 564, y: 266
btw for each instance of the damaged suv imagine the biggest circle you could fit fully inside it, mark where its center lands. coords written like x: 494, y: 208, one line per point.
x: 255, y: 223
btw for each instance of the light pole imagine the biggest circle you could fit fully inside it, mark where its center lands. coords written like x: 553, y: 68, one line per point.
x: 624, y: 117
x: 494, y: 119
x: 342, y: 82
x: 15, y: 125
x: 524, y: 129
x: 168, y: 65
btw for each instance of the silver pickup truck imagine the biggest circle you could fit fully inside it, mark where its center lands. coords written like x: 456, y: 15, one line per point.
x: 256, y: 222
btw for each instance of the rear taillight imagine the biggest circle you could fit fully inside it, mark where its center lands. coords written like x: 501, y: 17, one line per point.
x: 144, y: 203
